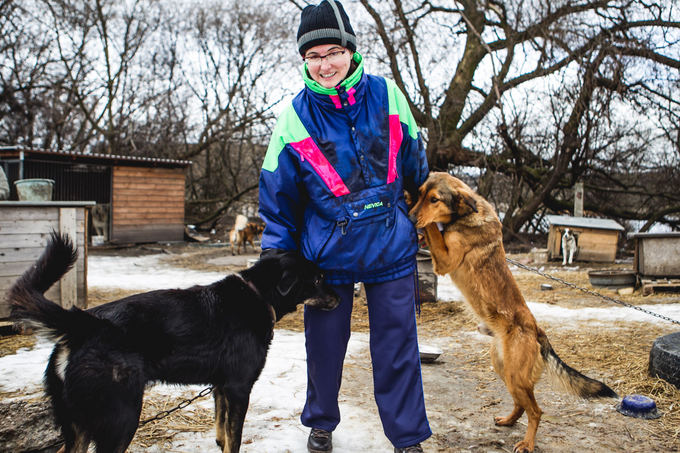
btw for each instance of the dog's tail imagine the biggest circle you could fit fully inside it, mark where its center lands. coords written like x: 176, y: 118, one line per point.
x: 570, y: 379
x: 28, y: 305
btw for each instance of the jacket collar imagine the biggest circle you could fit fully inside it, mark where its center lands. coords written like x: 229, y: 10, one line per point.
x: 345, y: 85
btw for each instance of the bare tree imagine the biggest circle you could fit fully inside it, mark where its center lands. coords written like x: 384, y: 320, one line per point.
x: 237, y: 76
x: 468, y: 66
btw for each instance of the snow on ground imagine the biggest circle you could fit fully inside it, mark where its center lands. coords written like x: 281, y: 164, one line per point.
x: 447, y: 291
x: 143, y: 273
x: 272, y: 422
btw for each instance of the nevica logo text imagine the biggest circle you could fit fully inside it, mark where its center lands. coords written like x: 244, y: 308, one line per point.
x: 377, y: 204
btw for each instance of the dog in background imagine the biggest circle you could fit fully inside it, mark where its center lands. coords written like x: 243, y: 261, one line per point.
x: 251, y: 232
x: 100, y: 219
x: 470, y: 249
x: 244, y: 232
x: 569, y: 246
x: 239, y: 224
x: 104, y: 357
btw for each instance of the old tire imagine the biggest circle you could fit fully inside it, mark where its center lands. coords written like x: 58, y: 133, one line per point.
x: 664, y: 358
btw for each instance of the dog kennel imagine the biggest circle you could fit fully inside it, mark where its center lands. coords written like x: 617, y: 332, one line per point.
x: 138, y: 199
x: 596, y: 239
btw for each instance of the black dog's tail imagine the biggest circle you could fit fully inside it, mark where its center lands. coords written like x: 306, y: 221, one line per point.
x: 26, y: 297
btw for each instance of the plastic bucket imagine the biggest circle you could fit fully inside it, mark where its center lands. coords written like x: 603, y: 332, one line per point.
x: 34, y: 189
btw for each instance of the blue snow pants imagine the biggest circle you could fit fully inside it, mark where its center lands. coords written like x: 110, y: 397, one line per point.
x: 397, y: 380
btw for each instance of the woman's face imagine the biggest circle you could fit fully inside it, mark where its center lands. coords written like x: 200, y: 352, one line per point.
x: 328, y: 64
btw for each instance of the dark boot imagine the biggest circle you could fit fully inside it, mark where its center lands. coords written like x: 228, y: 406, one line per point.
x: 320, y: 441
x: 412, y: 449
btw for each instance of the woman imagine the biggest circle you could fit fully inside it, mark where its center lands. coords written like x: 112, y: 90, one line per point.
x: 332, y: 188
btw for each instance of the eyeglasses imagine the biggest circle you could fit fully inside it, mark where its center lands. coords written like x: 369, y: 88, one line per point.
x: 333, y: 57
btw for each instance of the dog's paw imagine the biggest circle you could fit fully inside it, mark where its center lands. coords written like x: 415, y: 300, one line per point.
x: 504, y: 421
x: 436, y: 269
x: 484, y: 330
x: 220, y: 443
x: 523, y: 447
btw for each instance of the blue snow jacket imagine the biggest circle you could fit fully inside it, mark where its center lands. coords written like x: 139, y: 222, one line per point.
x: 333, y: 178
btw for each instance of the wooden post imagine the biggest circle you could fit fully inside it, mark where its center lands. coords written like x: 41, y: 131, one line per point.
x: 578, y: 199
x: 69, y: 283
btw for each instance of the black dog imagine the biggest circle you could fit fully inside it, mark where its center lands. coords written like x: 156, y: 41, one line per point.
x: 217, y: 334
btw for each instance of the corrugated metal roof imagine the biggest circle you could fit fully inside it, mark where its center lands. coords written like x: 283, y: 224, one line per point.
x: 583, y: 222
x: 97, y: 156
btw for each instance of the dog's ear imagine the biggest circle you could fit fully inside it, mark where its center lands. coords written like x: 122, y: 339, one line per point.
x: 289, y: 264
x: 288, y: 281
x: 461, y: 203
x: 470, y: 202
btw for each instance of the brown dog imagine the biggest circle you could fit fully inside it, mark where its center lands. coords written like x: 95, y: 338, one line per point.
x: 244, y: 232
x: 251, y: 232
x: 470, y: 249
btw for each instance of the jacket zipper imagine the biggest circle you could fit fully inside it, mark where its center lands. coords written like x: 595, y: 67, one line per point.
x: 343, y: 226
x: 326, y: 243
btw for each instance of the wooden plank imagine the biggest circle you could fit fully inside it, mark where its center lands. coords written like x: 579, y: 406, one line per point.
x: 149, y: 212
x: 14, y: 227
x: 69, y: 283
x: 5, y: 283
x: 149, y: 197
x: 4, y: 308
x: 169, y: 210
x: 156, y: 172
x: 18, y: 241
x: 130, y: 185
x: 125, y: 182
x: 23, y: 240
x: 649, y: 286
x: 148, y: 233
x: 29, y: 213
x: 147, y: 186
x: 150, y: 221
x: 133, y: 187
x: 27, y: 226
x: 15, y: 269
x: 553, y: 243
x: 139, y: 200
x: 12, y: 255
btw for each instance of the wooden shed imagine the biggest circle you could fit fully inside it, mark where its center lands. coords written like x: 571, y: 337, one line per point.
x: 597, y: 239
x: 24, y: 230
x: 141, y: 198
x: 657, y: 254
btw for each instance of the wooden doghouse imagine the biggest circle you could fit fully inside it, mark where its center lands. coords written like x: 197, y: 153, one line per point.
x: 24, y: 229
x: 657, y: 261
x: 597, y: 239
x: 142, y: 197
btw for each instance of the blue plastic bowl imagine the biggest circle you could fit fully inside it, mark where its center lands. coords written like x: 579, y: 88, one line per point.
x: 638, y: 406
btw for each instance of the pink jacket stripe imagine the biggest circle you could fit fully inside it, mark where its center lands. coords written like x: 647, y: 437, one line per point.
x: 396, y: 137
x: 308, y: 150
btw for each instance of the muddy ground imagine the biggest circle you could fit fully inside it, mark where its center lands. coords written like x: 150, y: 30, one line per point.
x: 462, y: 392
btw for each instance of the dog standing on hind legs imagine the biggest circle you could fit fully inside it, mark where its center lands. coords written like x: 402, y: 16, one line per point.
x: 470, y: 249
x: 104, y: 357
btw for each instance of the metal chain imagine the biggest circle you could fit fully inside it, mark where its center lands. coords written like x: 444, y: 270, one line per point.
x: 591, y: 292
x: 161, y: 415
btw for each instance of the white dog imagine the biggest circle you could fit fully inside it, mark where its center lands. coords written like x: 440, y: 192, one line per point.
x: 568, y: 246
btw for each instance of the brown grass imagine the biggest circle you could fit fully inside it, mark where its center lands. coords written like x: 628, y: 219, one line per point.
x: 12, y: 343
x: 162, y: 432
x: 621, y: 356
